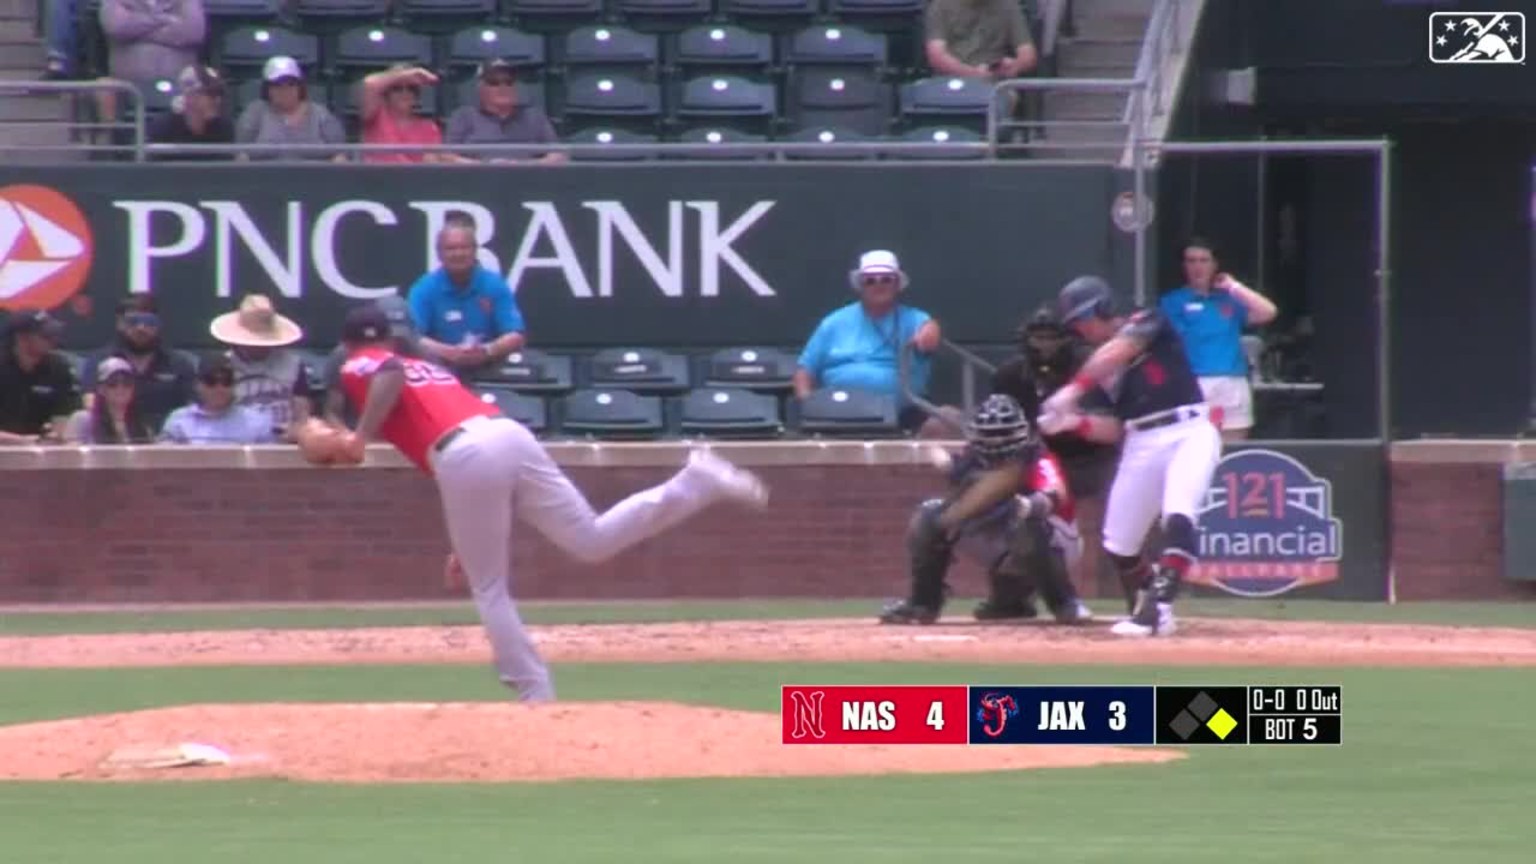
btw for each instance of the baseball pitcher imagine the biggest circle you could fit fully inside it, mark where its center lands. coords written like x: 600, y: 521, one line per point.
x: 1170, y: 450
x: 488, y: 468
x: 1009, y: 510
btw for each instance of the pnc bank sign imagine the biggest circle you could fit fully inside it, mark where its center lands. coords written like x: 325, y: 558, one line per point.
x: 303, y: 245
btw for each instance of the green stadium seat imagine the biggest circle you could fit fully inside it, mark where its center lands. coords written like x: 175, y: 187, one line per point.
x: 949, y: 101
x: 242, y: 52
x: 610, y: 49
x: 776, y: 15
x: 469, y: 47
x: 832, y: 143
x: 550, y: 16
x: 728, y: 99
x: 712, y: 142
x: 836, y: 413
x: 531, y: 411
x: 836, y: 45
x: 940, y: 135
x: 441, y: 15
x: 723, y: 49
x: 600, y: 135
x: 846, y: 98
x: 646, y: 371
x: 751, y: 368
x: 662, y: 15
x: 371, y: 48
x: 612, y: 414
x: 729, y: 413
x: 530, y: 371
x: 621, y: 101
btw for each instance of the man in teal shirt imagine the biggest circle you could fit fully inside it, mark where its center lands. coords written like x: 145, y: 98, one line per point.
x: 465, y: 314
x: 858, y: 346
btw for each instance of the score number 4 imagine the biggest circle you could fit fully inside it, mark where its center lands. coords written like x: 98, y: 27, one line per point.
x: 936, y: 716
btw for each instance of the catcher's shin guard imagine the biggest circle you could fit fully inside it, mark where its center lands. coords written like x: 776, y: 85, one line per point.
x: 930, y: 553
x: 1045, y: 568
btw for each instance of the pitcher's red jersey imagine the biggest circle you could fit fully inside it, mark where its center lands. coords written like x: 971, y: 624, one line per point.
x: 432, y: 401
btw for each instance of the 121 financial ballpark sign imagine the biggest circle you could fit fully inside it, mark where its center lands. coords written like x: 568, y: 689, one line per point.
x: 598, y: 255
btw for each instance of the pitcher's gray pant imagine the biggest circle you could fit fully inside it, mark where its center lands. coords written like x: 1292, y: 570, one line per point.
x: 496, y: 469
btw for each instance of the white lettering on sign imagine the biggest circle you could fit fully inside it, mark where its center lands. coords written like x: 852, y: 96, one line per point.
x: 277, y: 246
x: 323, y: 240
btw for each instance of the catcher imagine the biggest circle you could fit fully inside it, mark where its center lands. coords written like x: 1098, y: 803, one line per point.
x: 1008, y: 509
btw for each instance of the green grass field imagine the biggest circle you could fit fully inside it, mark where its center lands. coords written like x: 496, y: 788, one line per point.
x: 1436, y: 767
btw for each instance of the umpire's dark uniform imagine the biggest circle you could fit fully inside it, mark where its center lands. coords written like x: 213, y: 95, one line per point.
x: 1048, y: 359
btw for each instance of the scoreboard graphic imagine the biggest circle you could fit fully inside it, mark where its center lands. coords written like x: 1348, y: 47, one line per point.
x: 1124, y: 715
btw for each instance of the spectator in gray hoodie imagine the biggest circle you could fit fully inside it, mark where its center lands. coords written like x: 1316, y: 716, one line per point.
x: 149, y: 41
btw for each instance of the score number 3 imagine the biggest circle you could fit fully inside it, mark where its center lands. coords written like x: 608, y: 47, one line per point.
x: 1117, y: 716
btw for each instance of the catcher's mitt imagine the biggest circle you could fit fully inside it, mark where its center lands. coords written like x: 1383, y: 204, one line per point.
x: 322, y: 444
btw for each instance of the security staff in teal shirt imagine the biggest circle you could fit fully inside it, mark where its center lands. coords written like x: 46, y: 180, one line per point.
x: 1210, y: 312
x: 465, y: 314
x: 858, y: 346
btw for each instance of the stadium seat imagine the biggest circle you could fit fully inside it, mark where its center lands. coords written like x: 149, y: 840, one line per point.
x: 441, y: 14
x: 833, y: 143
x: 546, y: 16
x: 469, y: 47
x: 530, y: 371
x: 607, y: 48
x: 723, y: 49
x: 242, y: 52
x: 726, y: 412
x: 158, y: 96
x: 641, y: 370
x: 322, y: 13
x: 662, y: 14
x: 611, y: 413
x: 603, y: 135
x: 836, y: 45
x: 950, y: 101
x: 243, y: 93
x: 618, y: 100
x: 729, y: 99
x: 764, y: 369
x: 776, y: 15
x: 853, y: 10
x: 372, y: 48
x: 527, y: 410
x: 846, y: 413
x: 850, y: 98
x: 224, y: 11
x: 937, y: 135
x: 705, y: 142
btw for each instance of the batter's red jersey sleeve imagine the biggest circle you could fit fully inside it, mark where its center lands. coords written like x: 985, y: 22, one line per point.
x: 1046, y: 474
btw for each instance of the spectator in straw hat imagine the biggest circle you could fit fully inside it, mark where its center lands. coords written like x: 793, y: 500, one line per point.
x: 270, y: 377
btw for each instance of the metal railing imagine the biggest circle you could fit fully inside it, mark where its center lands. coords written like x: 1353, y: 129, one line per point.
x: 134, y: 125
x: 972, y: 363
x: 997, y: 126
x: 616, y: 150
x: 1164, y: 40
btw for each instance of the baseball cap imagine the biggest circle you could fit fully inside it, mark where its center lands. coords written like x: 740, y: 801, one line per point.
x: 879, y: 261
x: 366, y: 324
x: 195, y: 79
x: 215, y: 364
x: 280, y: 67
x: 36, y: 321
x: 113, y: 366
x: 497, y: 66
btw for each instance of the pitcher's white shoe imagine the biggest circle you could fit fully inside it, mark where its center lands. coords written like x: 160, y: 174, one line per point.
x: 732, y: 482
x: 1155, y: 623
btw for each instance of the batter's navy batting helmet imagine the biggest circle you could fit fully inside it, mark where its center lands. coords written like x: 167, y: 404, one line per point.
x: 1085, y: 296
x: 367, y: 323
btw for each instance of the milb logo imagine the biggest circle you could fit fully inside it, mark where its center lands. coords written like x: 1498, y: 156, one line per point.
x: 1477, y: 37
x: 1267, y: 526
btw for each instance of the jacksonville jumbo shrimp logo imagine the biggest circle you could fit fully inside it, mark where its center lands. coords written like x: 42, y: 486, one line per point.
x: 993, y: 711
x: 1267, y: 527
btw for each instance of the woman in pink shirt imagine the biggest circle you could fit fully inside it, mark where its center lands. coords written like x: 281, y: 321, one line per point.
x: 387, y: 106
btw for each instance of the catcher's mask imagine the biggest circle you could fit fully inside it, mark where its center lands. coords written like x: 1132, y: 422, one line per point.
x: 999, y: 430
x: 1045, y: 341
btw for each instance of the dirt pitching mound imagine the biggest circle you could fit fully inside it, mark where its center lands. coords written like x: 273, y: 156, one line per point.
x: 488, y: 742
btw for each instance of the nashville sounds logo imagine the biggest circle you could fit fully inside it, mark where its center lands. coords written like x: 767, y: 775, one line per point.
x: 1267, y: 526
x: 45, y: 248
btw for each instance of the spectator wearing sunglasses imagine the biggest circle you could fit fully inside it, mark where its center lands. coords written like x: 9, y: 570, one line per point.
x: 113, y: 416
x: 387, y: 103
x: 215, y: 418
x: 38, y: 392
x: 858, y: 346
x: 162, y: 377
x: 500, y: 118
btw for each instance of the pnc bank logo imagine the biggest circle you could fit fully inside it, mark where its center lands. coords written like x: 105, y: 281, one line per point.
x: 45, y: 248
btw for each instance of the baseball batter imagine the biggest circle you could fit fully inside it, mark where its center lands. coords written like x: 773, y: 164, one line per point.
x: 1009, y: 509
x: 489, y: 467
x: 1170, y: 447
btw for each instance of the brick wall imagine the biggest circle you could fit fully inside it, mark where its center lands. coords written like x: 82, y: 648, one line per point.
x: 252, y: 524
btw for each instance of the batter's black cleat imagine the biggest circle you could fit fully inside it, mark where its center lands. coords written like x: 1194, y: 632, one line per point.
x: 1075, y: 612
x: 999, y: 610
x: 907, y: 612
